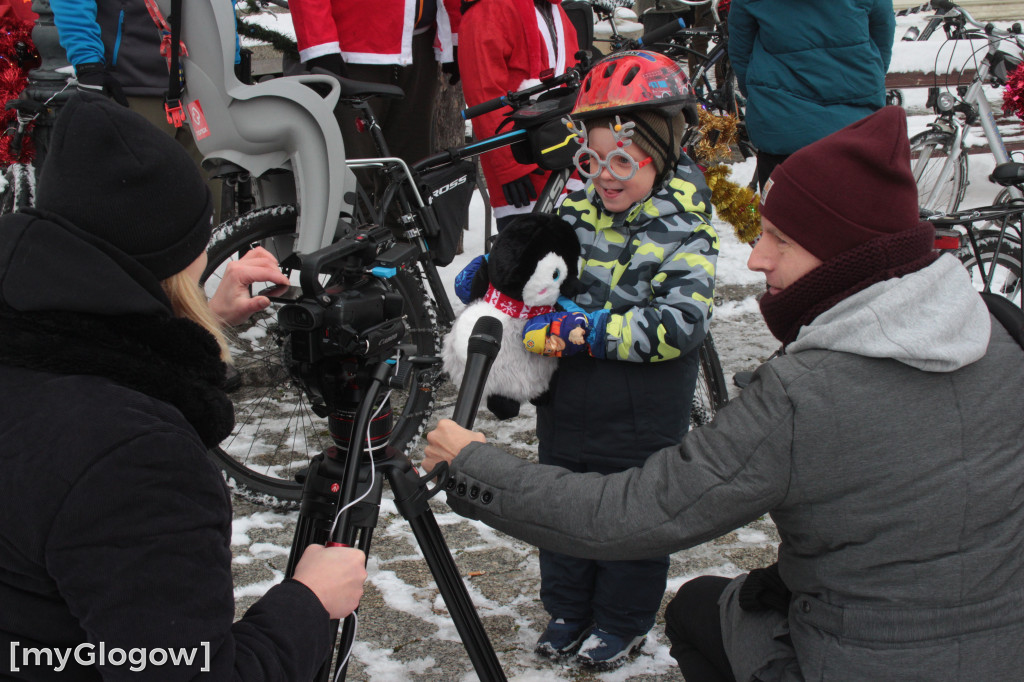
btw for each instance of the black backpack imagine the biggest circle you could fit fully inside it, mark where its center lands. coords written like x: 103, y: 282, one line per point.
x: 1009, y: 315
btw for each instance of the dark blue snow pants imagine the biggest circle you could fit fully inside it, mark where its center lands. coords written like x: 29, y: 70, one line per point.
x: 606, y: 416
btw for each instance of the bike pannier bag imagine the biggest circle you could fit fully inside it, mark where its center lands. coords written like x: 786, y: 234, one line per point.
x: 448, y: 192
x: 549, y: 143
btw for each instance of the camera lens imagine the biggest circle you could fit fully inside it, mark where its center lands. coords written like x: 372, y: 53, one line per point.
x: 300, y: 317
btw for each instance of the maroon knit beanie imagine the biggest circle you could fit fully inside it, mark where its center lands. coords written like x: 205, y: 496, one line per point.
x: 847, y: 188
x: 851, y: 200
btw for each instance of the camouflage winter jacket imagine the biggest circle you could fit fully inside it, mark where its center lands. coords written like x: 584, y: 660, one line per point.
x: 652, y: 266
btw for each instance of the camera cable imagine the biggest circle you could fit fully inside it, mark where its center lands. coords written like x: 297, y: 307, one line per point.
x: 373, y: 477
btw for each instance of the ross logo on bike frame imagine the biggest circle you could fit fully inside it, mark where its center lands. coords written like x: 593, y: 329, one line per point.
x: 197, y: 120
x: 450, y: 186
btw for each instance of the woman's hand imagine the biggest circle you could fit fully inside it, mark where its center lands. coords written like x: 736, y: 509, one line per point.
x: 232, y: 301
x: 446, y: 441
x: 335, y: 575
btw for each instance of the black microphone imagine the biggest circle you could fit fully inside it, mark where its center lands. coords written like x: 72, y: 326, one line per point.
x: 484, y: 344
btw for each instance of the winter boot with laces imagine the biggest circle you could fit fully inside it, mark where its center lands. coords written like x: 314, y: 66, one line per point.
x: 605, y: 651
x: 561, y: 638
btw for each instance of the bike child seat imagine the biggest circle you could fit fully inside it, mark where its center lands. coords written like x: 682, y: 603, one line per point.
x: 277, y: 123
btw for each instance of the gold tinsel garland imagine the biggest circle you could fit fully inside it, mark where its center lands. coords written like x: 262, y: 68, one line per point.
x: 735, y: 204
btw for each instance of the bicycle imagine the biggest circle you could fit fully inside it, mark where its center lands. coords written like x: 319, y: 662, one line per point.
x: 939, y: 155
x: 987, y: 239
x: 278, y: 430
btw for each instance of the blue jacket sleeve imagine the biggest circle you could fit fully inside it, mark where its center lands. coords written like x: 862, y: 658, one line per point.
x: 882, y: 25
x: 742, y: 32
x: 79, y: 32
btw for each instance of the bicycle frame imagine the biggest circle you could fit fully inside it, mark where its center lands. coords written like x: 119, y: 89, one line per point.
x: 975, y: 107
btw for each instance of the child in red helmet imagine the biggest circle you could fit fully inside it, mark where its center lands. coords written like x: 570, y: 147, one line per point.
x: 648, y: 279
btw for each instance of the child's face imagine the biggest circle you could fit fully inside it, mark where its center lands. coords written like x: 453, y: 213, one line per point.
x: 618, y: 195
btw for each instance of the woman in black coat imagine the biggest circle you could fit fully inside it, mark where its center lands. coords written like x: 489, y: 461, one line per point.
x: 114, y: 527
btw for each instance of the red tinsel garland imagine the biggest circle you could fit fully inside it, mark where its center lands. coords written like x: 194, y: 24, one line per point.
x: 18, y: 56
x: 1013, y: 96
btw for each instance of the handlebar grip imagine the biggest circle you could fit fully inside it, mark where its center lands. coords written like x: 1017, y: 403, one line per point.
x: 662, y: 32
x: 485, y: 107
x: 944, y: 5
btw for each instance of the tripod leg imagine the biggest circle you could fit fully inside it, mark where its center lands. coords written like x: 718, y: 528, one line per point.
x: 316, y: 517
x: 411, y: 500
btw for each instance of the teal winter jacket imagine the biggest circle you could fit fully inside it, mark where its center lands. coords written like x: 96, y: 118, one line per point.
x: 809, y: 68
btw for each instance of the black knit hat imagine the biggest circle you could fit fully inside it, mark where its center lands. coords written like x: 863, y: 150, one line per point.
x: 112, y: 173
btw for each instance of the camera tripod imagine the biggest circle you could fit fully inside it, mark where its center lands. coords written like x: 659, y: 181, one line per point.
x: 341, y: 502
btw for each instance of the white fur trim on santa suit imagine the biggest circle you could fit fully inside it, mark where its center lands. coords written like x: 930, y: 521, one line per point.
x: 319, y: 33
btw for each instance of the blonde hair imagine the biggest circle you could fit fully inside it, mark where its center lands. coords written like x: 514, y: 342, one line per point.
x: 189, y: 301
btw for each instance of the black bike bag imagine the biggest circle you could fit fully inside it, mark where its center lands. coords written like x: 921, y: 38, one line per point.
x: 447, y: 191
x: 549, y: 143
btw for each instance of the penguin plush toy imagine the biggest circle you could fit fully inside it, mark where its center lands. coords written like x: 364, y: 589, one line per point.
x: 532, y: 262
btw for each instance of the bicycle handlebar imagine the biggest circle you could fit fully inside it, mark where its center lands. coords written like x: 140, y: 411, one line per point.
x: 515, y: 99
x: 951, y: 11
x: 660, y: 33
x: 484, y: 107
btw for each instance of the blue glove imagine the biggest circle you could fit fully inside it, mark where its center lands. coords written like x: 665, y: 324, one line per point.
x: 464, y: 280
x: 596, y: 333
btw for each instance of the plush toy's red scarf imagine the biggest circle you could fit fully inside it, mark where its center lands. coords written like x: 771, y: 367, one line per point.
x: 513, y: 308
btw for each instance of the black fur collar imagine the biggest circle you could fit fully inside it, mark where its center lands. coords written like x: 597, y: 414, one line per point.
x: 170, y: 359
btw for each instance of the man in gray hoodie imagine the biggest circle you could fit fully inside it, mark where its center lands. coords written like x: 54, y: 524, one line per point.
x: 886, y: 442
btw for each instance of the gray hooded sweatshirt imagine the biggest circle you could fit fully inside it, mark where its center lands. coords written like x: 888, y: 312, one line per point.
x: 887, y: 444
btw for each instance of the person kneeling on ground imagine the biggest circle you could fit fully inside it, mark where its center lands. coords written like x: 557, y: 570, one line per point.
x: 115, y: 528
x: 886, y: 442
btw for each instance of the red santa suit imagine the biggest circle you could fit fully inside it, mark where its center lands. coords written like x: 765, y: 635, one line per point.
x: 384, y: 41
x: 378, y: 32
x: 504, y: 45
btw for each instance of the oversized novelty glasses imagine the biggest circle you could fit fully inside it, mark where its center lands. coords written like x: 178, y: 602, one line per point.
x: 619, y: 163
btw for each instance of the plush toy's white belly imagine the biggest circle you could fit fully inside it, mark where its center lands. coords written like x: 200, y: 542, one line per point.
x: 516, y: 373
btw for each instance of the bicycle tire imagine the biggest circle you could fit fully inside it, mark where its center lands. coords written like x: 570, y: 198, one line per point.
x: 1006, y: 280
x: 928, y: 153
x: 276, y: 434
x: 19, y: 188
x: 711, y: 392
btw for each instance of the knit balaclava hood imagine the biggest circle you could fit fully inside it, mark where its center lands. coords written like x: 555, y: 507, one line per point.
x: 113, y: 174
x: 851, y: 200
x: 659, y: 137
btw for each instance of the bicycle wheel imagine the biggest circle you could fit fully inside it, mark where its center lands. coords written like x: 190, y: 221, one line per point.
x: 711, y: 392
x: 276, y: 431
x: 18, y: 189
x: 929, y: 152
x: 1003, y: 268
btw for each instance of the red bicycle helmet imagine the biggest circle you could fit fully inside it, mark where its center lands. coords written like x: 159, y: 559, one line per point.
x: 637, y: 80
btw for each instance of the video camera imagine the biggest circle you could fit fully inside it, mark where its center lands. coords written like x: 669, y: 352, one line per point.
x: 344, y: 318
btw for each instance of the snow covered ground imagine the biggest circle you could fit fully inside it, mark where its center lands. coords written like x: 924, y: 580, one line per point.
x: 405, y: 632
